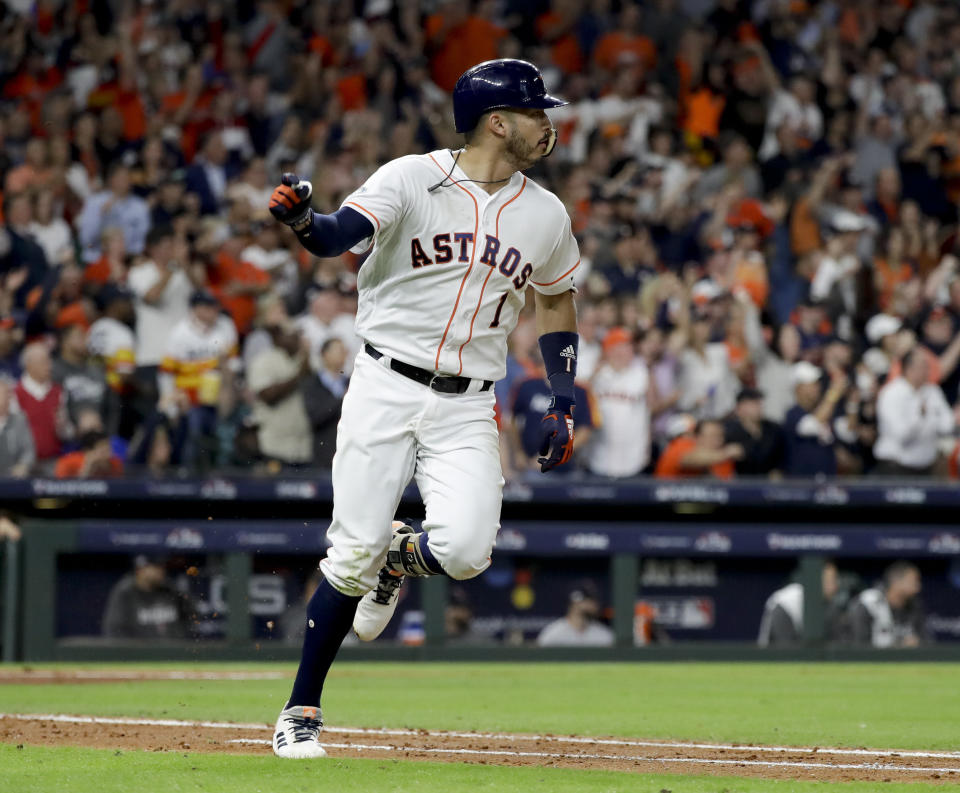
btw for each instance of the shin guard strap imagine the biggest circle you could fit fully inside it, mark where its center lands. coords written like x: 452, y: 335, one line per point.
x: 406, y: 555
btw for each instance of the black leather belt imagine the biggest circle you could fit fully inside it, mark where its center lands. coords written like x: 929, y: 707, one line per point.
x: 445, y: 384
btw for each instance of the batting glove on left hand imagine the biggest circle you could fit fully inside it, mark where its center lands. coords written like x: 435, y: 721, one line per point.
x: 556, y: 446
x: 290, y: 202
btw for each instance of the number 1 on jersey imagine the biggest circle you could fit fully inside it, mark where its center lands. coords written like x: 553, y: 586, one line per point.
x: 496, y: 316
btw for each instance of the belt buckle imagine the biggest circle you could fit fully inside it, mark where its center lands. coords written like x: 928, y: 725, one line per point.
x: 433, y: 379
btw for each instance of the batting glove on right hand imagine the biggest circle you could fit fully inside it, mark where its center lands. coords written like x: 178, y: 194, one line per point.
x: 290, y: 202
x: 556, y: 446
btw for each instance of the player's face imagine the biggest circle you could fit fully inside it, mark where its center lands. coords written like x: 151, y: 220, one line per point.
x: 528, y: 136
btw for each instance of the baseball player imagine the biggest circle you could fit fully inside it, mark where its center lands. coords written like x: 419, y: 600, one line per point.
x: 455, y: 238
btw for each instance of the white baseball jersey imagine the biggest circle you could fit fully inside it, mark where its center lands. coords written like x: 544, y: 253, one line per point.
x: 113, y: 343
x: 621, y: 447
x: 445, y: 281
x: 193, y: 352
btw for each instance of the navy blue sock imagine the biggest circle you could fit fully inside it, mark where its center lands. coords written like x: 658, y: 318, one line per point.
x: 329, y: 617
x: 429, y: 560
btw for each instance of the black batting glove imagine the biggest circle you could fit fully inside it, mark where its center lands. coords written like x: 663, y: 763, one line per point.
x: 556, y: 427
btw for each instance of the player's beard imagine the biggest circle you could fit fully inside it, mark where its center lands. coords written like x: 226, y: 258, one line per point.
x: 520, y: 154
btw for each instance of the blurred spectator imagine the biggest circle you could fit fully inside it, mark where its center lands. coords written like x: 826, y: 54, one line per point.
x: 271, y: 257
x: 197, y: 361
x: 799, y: 163
x: 254, y: 187
x: 276, y: 378
x: 323, y: 396
x: 891, y: 614
x: 835, y: 281
x: 17, y: 453
x: 456, y: 39
x: 912, y: 416
x: 207, y: 177
x: 697, y: 449
x: 51, y: 231
x: 808, y: 425
x: 43, y: 403
x: 736, y: 168
x: 708, y: 385
x: 772, y: 363
x: 83, y: 382
x: 111, y: 267
x: 10, y: 338
x: 111, y: 343
x: 94, y: 459
x: 590, y: 349
x: 626, y: 398
x: 118, y: 207
x: 458, y: 619
x: 143, y: 605
x: 883, y: 331
x: 236, y: 283
x: 162, y: 285
x: 22, y: 252
x: 316, y: 323
x: 663, y: 367
x: 782, y: 622
x: 761, y: 440
x: 580, y: 627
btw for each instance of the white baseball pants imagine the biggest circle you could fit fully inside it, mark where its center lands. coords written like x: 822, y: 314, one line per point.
x: 391, y: 429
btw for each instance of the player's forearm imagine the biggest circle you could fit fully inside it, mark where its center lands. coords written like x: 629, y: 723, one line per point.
x: 556, y: 313
x: 331, y: 235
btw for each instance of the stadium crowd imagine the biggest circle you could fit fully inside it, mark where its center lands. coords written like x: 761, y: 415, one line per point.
x: 765, y: 195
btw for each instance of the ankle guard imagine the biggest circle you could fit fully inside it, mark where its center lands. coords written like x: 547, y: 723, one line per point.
x: 405, y: 555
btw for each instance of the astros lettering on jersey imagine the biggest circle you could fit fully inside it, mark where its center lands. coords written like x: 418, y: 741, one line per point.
x: 460, y: 257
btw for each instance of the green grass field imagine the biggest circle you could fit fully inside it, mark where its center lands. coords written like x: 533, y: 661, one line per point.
x: 903, y: 706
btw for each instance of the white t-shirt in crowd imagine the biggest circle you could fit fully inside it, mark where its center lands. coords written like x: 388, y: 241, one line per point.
x: 708, y: 386
x: 621, y: 446
x: 909, y: 423
x: 155, y: 321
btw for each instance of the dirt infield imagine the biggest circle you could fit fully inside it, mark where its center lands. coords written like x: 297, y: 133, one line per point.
x: 615, y: 754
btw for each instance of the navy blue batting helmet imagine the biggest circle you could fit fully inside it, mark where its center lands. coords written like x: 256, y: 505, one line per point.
x: 492, y: 85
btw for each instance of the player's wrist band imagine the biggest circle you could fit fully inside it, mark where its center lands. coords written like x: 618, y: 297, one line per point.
x: 559, y: 352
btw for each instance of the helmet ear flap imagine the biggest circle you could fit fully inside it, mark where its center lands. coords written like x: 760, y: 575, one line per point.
x: 552, y: 142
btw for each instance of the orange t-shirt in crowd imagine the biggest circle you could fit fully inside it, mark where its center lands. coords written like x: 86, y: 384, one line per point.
x: 97, y: 272
x: 750, y: 274
x: 128, y: 104
x: 612, y: 46
x: 241, y: 308
x: 197, y: 120
x: 804, y: 229
x: 703, y: 109
x: 473, y: 41
x: 352, y: 91
x: 888, y: 279
x: 565, y: 50
x: 70, y: 466
x: 670, y: 465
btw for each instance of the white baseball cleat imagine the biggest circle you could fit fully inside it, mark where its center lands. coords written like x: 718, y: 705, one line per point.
x: 377, y: 607
x: 297, y: 734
